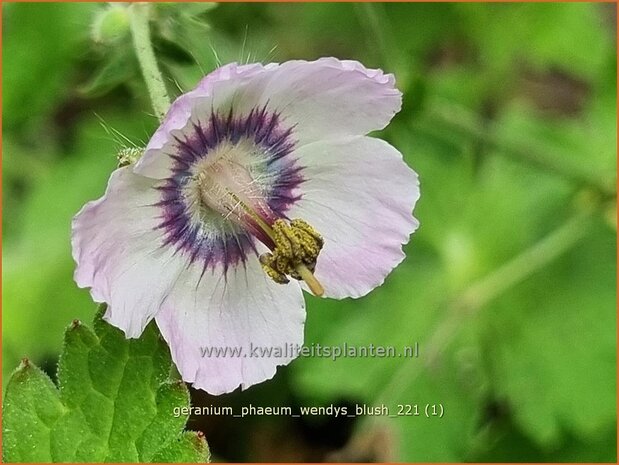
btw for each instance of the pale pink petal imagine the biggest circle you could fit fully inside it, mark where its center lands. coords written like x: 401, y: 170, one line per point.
x: 244, y: 309
x: 322, y: 99
x: 359, y: 194
x: 330, y: 98
x: 116, y: 246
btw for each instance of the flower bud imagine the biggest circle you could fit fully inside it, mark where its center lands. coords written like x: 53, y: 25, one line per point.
x: 111, y: 24
x: 128, y: 155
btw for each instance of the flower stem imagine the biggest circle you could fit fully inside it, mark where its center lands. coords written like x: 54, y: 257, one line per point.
x: 528, y: 262
x: 139, y: 16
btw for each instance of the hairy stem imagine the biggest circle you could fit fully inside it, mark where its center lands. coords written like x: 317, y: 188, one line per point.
x: 140, y: 14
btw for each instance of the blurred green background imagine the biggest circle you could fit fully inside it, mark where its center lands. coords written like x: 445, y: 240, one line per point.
x: 509, y: 286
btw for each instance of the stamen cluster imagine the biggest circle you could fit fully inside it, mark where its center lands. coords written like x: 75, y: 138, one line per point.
x: 296, y: 245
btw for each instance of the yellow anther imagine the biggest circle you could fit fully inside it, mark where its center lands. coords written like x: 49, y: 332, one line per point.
x: 296, y: 250
x: 267, y: 262
x: 301, y: 225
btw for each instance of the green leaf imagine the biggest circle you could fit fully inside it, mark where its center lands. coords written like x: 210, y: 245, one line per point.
x: 554, y: 346
x: 385, y: 318
x: 115, y: 402
x: 189, y: 447
x: 31, y: 407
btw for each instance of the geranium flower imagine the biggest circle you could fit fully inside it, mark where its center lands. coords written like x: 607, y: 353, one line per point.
x: 259, y: 183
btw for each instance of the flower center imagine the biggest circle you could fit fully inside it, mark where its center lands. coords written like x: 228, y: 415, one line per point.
x: 228, y: 182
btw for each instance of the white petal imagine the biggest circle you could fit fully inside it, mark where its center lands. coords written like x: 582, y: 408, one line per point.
x: 330, y: 98
x: 246, y: 310
x: 117, y: 250
x: 359, y: 194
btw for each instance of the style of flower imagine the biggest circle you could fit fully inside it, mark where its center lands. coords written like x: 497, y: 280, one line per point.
x: 259, y: 183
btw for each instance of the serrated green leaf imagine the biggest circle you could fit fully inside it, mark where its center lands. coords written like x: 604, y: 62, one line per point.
x: 189, y: 447
x: 386, y: 318
x: 31, y: 408
x: 115, y: 402
x: 554, y: 356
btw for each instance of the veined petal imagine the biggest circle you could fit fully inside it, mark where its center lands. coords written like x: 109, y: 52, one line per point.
x: 322, y: 99
x: 359, y: 194
x: 331, y: 98
x: 117, y: 248
x: 243, y: 309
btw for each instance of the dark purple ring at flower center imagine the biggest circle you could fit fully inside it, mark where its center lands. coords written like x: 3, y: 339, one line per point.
x: 220, y: 241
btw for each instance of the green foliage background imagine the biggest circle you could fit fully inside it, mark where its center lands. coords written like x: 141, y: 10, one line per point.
x: 509, y: 286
